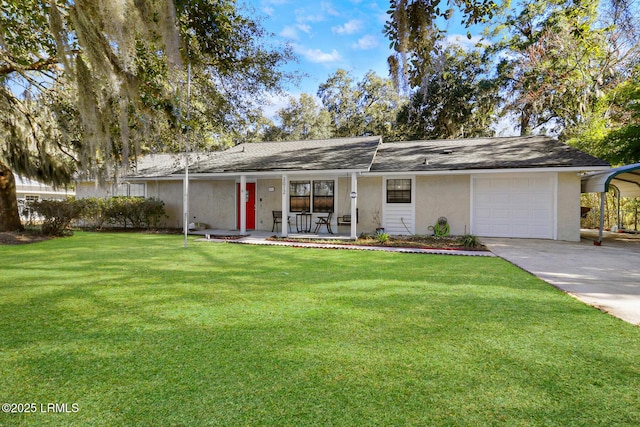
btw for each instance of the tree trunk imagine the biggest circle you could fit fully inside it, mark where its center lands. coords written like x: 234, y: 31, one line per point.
x: 525, y: 120
x: 9, y: 217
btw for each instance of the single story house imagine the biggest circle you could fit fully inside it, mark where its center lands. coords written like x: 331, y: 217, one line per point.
x: 497, y: 187
x: 29, y: 190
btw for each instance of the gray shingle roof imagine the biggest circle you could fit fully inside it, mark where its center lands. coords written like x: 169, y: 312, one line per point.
x: 480, y: 153
x: 157, y: 165
x: 313, y: 155
x: 368, y: 153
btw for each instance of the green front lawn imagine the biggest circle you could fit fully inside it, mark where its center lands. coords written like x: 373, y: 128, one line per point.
x: 136, y: 330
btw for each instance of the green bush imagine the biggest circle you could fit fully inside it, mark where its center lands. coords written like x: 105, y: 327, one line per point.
x: 382, y: 237
x: 56, y: 214
x: 153, y: 212
x: 95, y: 213
x: 115, y: 211
x: 134, y: 211
x: 469, y: 241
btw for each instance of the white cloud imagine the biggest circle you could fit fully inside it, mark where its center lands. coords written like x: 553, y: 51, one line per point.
x: 303, y: 16
x: 289, y: 32
x: 275, y: 103
x: 350, y: 27
x: 317, y: 56
x: 367, y: 42
x: 304, y: 28
x: 328, y: 7
x: 268, y: 10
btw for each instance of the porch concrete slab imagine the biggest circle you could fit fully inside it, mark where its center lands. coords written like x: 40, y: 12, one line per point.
x: 606, y: 277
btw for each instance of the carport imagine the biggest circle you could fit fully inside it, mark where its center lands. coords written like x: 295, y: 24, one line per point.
x: 624, y: 180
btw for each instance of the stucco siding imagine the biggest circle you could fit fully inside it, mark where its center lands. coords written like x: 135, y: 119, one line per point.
x: 212, y: 203
x: 90, y: 189
x: 170, y: 192
x: 568, y: 207
x: 369, y: 204
x: 447, y: 196
x: 267, y: 201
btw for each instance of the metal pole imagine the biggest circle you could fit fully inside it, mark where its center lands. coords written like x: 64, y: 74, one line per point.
x: 285, y: 206
x: 619, y: 218
x: 353, y: 234
x: 185, y: 201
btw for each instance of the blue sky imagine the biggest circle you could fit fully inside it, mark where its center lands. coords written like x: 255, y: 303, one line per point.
x: 328, y: 35
x: 332, y: 34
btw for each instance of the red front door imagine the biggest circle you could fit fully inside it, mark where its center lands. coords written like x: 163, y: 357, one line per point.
x: 250, y: 201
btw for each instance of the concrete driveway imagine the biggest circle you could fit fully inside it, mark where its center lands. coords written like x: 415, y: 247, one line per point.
x: 606, y: 277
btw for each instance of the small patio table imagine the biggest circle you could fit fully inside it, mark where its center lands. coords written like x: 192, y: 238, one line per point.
x: 303, y: 222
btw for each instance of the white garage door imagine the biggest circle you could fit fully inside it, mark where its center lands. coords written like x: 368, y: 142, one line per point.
x: 513, y: 207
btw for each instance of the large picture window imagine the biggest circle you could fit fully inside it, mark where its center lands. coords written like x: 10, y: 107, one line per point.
x: 305, y: 195
x: 399, y: 191
x: 323, y: 196
x: 300, y: 196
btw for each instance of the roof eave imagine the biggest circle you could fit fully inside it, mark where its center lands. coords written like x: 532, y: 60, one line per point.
x: 576, y: 169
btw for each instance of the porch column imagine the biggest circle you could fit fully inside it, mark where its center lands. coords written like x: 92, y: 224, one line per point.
x: 243, y: 205
x: 354, y: 205
x: 285, y: 205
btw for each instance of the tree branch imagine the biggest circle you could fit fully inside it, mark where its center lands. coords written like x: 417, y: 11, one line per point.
x: 40, y: 65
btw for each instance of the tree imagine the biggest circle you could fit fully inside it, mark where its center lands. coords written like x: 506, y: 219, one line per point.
x: 340, y: 97
x: 613, y: 133
x: 413, y: 30
x: 104, y: 77
x: 366, y: 107
x: 379, y: 105
x: 301, y: 119
x: 457, y: 99
x: 555, y: 63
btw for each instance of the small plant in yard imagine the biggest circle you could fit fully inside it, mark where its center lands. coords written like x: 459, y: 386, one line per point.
x: 469, y: 241
x: 382, y: 237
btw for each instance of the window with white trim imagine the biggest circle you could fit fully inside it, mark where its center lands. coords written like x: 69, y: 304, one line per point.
x: 323, y: 196
x: 300, y: 196
x: 128, y: 189
x: 311, y: 196
x: 399, y: 191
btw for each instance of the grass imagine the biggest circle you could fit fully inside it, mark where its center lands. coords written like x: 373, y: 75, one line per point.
x: 137, y: 330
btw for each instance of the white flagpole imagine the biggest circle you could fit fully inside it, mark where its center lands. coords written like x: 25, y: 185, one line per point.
x: 185, y: 201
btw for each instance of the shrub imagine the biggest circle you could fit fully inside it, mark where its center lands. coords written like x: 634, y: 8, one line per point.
x: 153, y: 212
x: 56, y: 214
x: 134, y: 211
x: 469, y: 241
x: 115, y: 211
x: 382, y: 237
x: 93, y: 213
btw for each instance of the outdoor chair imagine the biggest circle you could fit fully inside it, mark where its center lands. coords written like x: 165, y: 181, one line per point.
x: 326, y: 221
x: 277, y: 219
x: 346, y: 219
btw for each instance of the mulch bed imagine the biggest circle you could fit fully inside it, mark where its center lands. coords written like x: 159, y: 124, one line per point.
x: 419, y: 242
